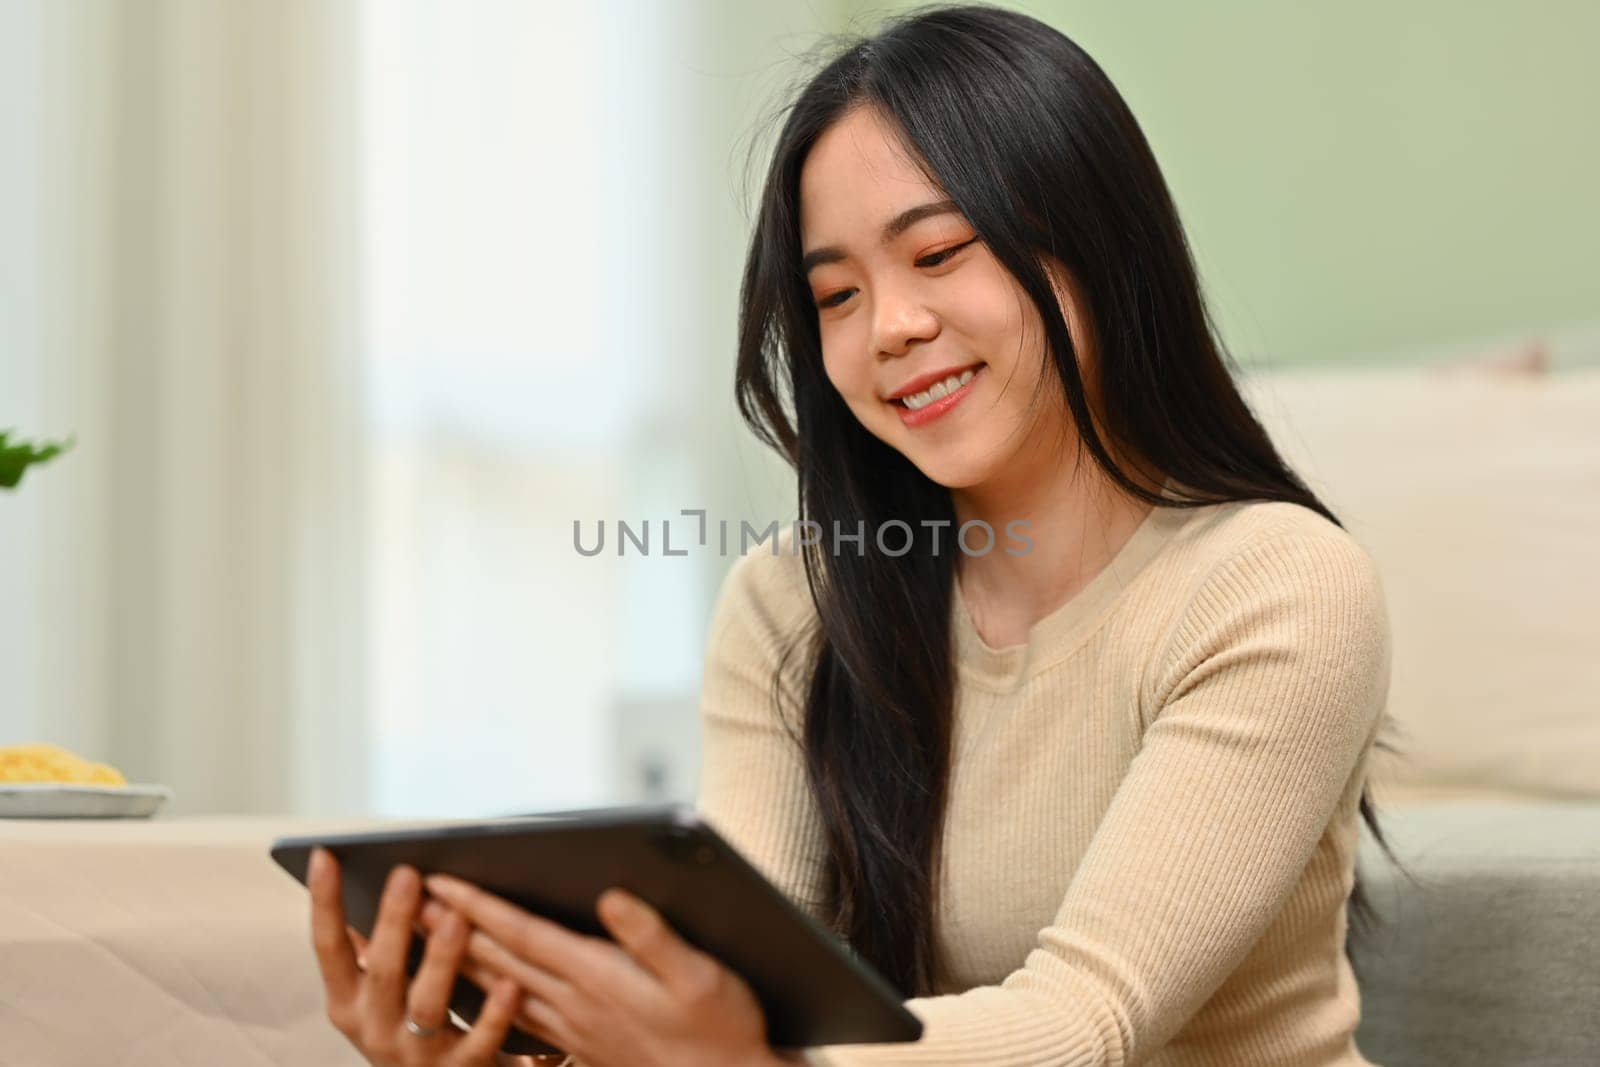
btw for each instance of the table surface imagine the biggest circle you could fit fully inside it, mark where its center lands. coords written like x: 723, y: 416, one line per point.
x: 194, y: 829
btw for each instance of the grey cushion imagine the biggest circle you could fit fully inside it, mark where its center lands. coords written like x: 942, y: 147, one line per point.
x: 1492, y: 957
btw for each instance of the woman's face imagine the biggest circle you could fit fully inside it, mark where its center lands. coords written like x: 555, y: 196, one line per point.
x: 907, y: 299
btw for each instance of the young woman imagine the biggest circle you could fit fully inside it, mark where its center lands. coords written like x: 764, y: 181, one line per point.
x: 1087, y: 785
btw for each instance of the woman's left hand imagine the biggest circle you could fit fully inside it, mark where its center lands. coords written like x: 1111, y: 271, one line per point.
x: 650, y: 998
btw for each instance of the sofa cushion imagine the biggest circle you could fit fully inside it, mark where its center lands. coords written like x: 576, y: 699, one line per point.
x: 1488, y: 957
x: 1478, y: 495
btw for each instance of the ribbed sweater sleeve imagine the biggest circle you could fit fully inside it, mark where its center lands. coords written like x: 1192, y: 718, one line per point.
x: 1263, y: 698
x: 752, y: 786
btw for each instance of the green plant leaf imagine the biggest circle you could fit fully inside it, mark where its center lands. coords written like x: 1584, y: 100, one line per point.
x: 19, y: 456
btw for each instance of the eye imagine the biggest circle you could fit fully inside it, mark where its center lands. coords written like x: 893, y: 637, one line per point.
x: 933, y: 259
x: 936, y: 258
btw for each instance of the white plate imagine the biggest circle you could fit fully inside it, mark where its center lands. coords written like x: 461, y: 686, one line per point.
x: 55, y: 800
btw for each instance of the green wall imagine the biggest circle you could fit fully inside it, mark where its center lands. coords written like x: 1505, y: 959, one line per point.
x: 1363, y: 180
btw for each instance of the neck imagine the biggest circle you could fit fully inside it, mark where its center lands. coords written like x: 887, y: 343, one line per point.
x: 1078, y: 520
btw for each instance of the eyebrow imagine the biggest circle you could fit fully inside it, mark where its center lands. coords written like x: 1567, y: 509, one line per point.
x: 894, y: 228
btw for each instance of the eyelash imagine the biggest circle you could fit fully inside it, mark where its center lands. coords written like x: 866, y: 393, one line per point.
x: 935, y: 259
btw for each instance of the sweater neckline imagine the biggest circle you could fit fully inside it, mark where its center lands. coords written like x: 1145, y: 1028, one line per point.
x: 1060, y: 631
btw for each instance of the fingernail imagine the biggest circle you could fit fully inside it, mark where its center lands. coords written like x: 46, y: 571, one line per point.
x: 439, y: 884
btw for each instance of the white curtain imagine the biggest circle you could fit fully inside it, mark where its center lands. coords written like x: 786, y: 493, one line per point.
x: 353, y: 308
x: 183, y: 590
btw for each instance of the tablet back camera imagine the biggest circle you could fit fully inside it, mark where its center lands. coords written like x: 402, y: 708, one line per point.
x: 682, y: 845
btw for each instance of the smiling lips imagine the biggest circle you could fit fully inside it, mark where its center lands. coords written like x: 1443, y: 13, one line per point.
x: 934, y: 396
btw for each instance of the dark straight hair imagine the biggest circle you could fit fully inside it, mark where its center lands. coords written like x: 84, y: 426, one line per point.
x: 1026, y: 134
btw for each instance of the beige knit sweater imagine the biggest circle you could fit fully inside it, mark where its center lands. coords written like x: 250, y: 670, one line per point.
x: 1153, y: 807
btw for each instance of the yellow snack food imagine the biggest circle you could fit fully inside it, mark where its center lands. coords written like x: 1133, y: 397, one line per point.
x: 52, y: 763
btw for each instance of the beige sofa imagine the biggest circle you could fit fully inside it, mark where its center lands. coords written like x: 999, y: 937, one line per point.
x: 178, y: 942
x: 156, y: 944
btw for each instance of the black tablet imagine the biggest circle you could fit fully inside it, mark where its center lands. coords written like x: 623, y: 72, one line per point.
x: 813, y: 989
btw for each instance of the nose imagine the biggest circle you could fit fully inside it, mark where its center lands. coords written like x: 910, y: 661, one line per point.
x: 899, y: 321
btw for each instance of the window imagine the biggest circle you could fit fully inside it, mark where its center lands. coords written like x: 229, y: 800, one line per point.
x: 514, y: 201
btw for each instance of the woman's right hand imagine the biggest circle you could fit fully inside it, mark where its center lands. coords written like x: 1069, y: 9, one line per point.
x: 371, y: 1005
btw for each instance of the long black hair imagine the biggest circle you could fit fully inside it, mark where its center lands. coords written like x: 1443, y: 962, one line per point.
x: 1026, y: 134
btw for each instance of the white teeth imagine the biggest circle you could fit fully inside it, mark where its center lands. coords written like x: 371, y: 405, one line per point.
x: 939, y: 390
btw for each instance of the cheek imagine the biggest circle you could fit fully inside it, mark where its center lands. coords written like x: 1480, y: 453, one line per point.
x: 987, y: 309
x: 836, y: 368
x: 846, y: 365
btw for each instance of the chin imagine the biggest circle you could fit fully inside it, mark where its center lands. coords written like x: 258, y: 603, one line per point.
x: 952, y: 472
x: 950, y: 465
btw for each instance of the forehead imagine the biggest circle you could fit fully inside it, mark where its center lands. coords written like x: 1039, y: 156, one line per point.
x: 856, y: 177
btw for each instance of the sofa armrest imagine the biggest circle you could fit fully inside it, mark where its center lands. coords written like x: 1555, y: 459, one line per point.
x: 157, y: 943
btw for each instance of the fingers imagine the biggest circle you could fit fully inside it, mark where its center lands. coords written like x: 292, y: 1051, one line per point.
x: 496, y: 958
x: 547, y: 946
x: 369, y: 1008
x: 336, y: 959
x: 489, y: 1030
x: 542, y: 1022
x: 434, y: 914
x: 428, y: 999
x: 647, y: 937
x: 391, y: 938
x: 534, y: 1013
